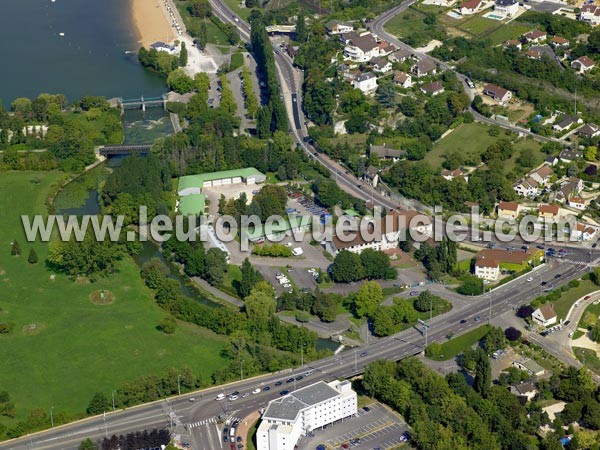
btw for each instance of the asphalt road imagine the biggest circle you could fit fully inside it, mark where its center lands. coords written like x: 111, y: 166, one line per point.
x: 181, y: 410
x: 346, y: 364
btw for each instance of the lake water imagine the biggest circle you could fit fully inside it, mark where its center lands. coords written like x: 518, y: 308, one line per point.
x: 90, y: 59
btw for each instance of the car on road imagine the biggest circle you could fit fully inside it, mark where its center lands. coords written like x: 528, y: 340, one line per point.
x: 289, y: 380
x: 345, y: 445
x: 220, y: 397
x: 232, y: 446
x: 530, y: 279
x: 413, y: 293
x: 278, y: 383
x: 541, y: 247
x: 571, y: 334
x: 225, y: 438
x: 477, y: 318
x: 558, y: 275
x: 543, y: 283
x: 284, y: 392
x: 308, y: 373
x: 233, y: 398
x: 256, y: 391
x: 363, y: 354
x: 266, y: 388
x: 366, y: 409
x: 225, y: 430
x: 238, y: 439
x: 587, y: 297
x: 463, y: 321
x: 299, y: 377
x: 567, y: 322
x: 245, y: 395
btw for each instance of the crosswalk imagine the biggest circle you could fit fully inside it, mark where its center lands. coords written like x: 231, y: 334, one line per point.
x: 200, y: 423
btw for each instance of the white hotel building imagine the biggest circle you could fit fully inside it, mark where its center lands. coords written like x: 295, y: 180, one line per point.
x: 298, y: 413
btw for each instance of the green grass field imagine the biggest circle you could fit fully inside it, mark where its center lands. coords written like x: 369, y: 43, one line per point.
x: 471, y: 140
x: 563, y: 304
x: 457, y: 345
x: 406, y: 23
x: 588, y: 357
x: 78, y: 348
x: 480, y: 26
x: 507, y: 32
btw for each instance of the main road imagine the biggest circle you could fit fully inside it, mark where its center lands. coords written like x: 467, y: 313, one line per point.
x: 199, y: 415
x: 197, y: 411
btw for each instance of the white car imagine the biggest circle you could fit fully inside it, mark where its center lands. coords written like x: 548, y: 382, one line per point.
x: 220, y: 397
x: 245, y: 395
x: 530, y: 279
x: 233, y: 397
x: 287, y: 285
x: 256, y: 391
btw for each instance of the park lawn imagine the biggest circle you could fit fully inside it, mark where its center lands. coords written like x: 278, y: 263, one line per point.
x: 232, y: 277
x: 406, y: 23
x: 563, y: 304
x: 238, y: 8
x: 459, y: 344
x: 588, y: 357
x: 214, y: 35
x: 468, y: 138
x: 479, y: 26
x: 590, y: 316
x: 78, y: 348
x: 507, y: 32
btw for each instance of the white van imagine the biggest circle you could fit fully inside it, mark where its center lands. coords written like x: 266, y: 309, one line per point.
x: 297, y: 251
x: 220, y: 397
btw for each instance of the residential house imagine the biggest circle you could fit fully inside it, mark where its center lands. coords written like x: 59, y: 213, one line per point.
x: 589, y: 130
x: 582, y: 64
x: 512, y: 44
x: 497, y: 93
x: 535, y: 36
x: 337, y: 27
x: 371, y: 176
x: 576, y: 202
x: 543, y: 174
x: 529, y: 366
x: 400, y: 55
x: 548, y: 212
x: 470, y: 7
x: 366, y: 82
x: 525, y: 389
x: 559, y: 41
x: 452, y: 174
x: 360, y: 48
x: 526, y: 187
x: 544, y: 315
x: 432, y: 89
x: 551, y: 160
x: 385, y: 48
x: 508, y: 209
x: 590, y: 14
x: 569, y: 155
x: 386, y: 153
x: 489, y: 262
x: 506, y: 8
x: 565, y: 122
x: 533, y: 54
x: 572, y: 187
x: 423, y: 68
x: 402, y: 79
x: 583, y: 232
x: 381, y: 65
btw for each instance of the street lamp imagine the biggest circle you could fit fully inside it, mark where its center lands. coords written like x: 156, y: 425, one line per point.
x: 52, y: 417
x: 178, y: 385
x: 113, y: 399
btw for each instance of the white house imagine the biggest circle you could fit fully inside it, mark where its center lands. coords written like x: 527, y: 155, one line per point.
x: 590, y: 13
x: 423, y: 68
x: 582, y: 64
x: 524, y: 389
x: 400, y: 55
x: 298, y: 413
x: 576, y: 202
x: 526, y: 187
x: 432, y: 89
x: 506, y: 8
x: 589, y: 130
x: 497, y: 93
x: 487, y: 268
x: 565, y: 123
x: 402, y: 79
x: 163, y: 47
x: 381, y: 65
x: 543, y: 174
x: 337, y: 27
x: 544, y: 315
x: 584, y: 232
x: 366, y: 82
x: 529, y: 366
x: 535, y: 36
x: 469, y: 7
x: 361, y: 48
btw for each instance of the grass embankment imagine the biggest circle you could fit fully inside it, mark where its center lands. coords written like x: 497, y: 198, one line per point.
x: 459, y: 344
x: 63, y: 347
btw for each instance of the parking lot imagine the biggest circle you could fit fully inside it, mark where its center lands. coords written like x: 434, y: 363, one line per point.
x: 299, y: 277
x: 376, y: 428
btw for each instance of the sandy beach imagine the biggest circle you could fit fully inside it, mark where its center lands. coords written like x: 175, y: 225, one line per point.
x: 152, y: 22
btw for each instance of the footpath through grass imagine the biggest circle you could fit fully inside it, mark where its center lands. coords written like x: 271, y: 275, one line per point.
x: 455, y: 346
x: 63, y: 347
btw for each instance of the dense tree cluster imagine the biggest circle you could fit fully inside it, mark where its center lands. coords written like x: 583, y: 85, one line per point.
x: 370, y: 264
x: 134, y: 441
x: 438, y: 260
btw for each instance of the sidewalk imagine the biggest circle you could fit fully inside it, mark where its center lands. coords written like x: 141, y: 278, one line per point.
x: 245, y: 425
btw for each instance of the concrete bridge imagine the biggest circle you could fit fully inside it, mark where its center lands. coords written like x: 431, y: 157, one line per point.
x: 143, y: 103
x: 115, y: 150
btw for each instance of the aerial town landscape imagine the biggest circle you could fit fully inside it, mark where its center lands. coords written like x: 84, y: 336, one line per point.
x: 300, y: 224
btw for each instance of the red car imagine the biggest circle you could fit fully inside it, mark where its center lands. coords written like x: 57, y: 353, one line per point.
x: 587, y: 297
x: 232, y: 447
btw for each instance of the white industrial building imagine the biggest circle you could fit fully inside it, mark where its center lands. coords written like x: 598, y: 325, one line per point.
x: 302, y: 411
